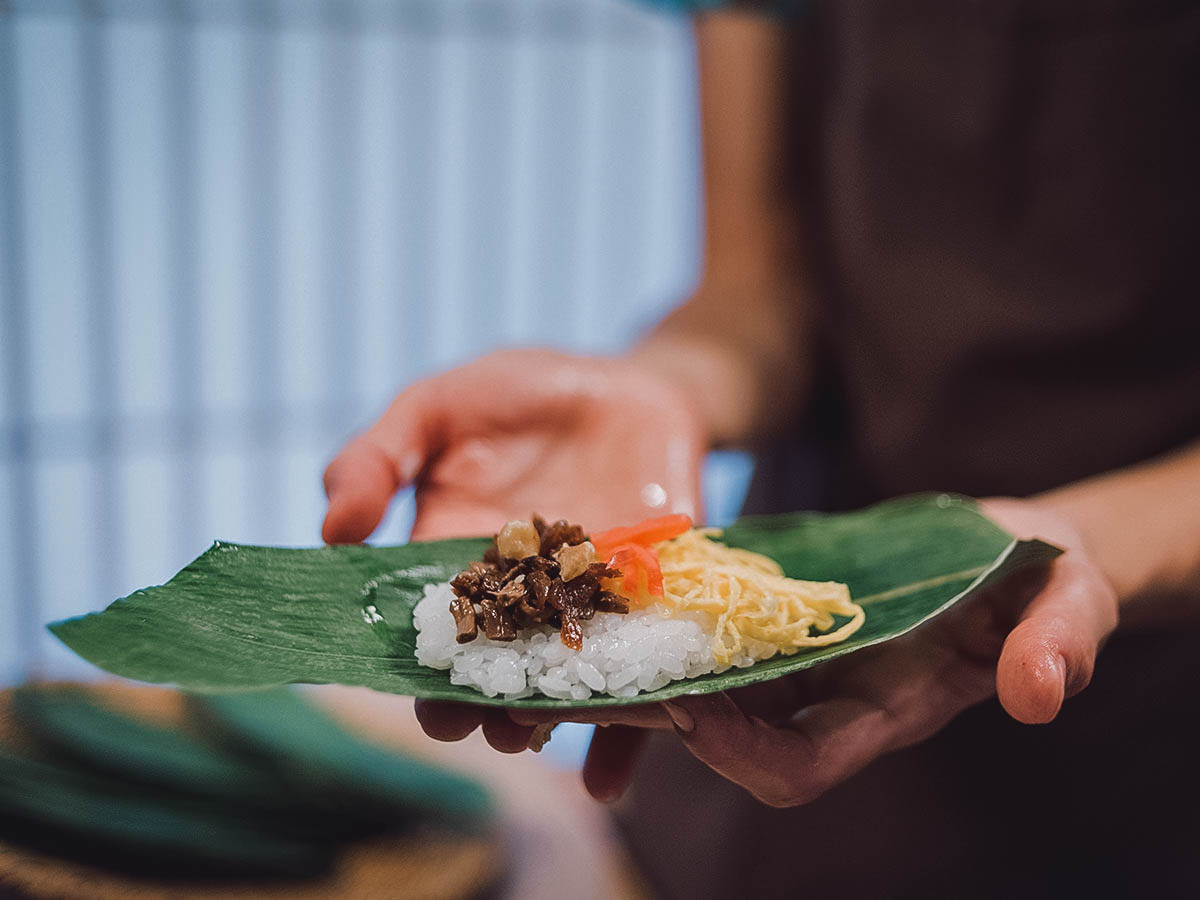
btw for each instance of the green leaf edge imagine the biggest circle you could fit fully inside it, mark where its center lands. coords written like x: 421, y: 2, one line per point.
x: 1018, y: 554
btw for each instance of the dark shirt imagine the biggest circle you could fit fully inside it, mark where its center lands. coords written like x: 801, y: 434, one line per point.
x: 1002, y: 202
x: 1003, y: 210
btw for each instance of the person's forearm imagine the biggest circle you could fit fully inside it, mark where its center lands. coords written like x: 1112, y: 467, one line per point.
x: 1142, y: 526
x: 735, y: 349
x: 742, y: 368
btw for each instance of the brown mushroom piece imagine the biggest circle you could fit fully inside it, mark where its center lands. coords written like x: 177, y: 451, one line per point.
x: 497, y: 623
x: 464, y: 619
x: 533, y: 574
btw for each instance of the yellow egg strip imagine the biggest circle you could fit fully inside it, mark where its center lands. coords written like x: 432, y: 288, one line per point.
x: 757, y: 608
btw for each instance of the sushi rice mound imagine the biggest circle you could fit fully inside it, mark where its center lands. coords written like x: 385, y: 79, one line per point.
x: 622, y: 655
x: 716, y: 607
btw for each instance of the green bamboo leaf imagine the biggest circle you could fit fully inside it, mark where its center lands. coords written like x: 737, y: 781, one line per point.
x: 315, y: 754
x: 291, y: 788
x: 277, y: 759
x: 243, y: 617
x: 69, y: 722
x: 78, y: 815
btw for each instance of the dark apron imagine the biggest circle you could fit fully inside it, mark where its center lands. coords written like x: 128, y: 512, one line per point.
x: 1003, y: 219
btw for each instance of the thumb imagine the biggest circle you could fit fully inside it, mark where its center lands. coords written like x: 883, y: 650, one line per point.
x: 363, y: 477
x: 611, y: 757
x: 1050, y: 654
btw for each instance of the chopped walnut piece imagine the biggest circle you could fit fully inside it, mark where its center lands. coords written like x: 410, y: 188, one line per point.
x: 573, y: 559
x: 517, y: 540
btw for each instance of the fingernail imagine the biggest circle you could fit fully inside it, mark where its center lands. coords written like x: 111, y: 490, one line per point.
x: 1064, y: 679
x: 684, y: 723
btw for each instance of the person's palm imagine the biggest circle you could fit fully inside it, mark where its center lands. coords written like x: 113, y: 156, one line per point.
x: 599, y: 441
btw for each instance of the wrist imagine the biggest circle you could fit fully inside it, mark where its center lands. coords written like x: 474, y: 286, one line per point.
x: 1079, y: 536
x: 1140, y: 525
x: 1080, y: 516
x: 709, y: 379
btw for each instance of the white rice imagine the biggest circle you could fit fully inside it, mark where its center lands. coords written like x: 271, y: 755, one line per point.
x: 623, y: 654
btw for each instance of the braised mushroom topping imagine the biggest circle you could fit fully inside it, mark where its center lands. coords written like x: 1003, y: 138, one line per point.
x: 534, y: 573
x: 464, y: 617
x: 556, y: 534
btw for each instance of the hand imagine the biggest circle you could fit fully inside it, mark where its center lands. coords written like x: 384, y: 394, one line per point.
x: 598, y: 441
x: 1032, y: 640
x: 602, y: 442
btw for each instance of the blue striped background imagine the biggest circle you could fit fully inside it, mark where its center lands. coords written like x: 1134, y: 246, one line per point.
x: 229, y: 231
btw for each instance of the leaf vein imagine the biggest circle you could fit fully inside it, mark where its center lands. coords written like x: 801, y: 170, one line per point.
x: 914, y: 587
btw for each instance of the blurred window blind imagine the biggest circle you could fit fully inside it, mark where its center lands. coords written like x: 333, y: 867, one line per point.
x: 230, y: 231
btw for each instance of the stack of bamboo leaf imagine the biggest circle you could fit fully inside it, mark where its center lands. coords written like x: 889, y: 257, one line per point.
x: 251, y: 785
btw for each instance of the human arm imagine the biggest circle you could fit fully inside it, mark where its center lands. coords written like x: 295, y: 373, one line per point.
x: 723, y: 368
x: 1133, y: 553
x: 737, y: 347
x: 1142, y: 524
x: 487, y: 441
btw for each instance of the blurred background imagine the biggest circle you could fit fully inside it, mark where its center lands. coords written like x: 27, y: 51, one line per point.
x: 230, y: 231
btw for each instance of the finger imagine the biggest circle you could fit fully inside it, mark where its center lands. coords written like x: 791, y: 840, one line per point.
x: 642, y: 715
x: 1051, y: 652
x: 444, y: 721
x: 610, y: 761
x: 503, y: 733
x: 777, y: 700
x: 363, y: 477
x: 359, y: 483
x: 901, y: 698
x: 441, y: 514
x: 773, y: 764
